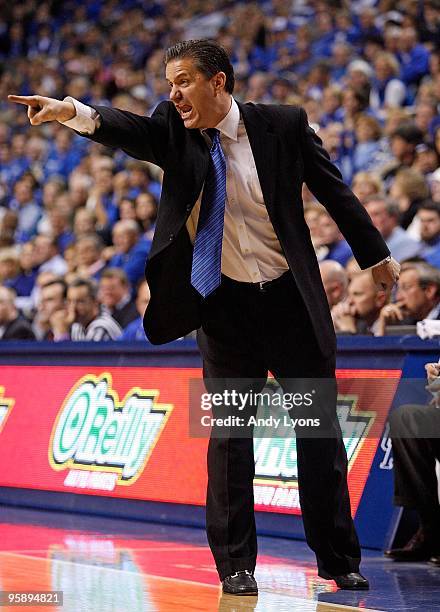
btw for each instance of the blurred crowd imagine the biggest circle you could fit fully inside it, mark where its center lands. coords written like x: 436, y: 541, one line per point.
x: 77, y: 219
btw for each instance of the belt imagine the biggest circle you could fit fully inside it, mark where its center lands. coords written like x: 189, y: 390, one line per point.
x: 262, y: 286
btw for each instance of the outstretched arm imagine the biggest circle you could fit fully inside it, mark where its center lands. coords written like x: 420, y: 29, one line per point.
x: 145, y: 138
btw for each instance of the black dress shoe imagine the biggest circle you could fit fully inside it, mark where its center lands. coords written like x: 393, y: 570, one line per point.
x: 240, y: 583
x: 420, y: 548
x: 435, y: 560
x: 352, y: 581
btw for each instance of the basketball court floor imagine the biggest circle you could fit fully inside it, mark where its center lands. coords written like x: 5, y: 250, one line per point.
x: 107, y: 565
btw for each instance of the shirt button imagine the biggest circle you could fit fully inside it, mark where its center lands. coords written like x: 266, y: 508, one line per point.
x: 171, y: 237
x: 188, y: 207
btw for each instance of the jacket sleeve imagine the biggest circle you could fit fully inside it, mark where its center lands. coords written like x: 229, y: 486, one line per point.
x: 325, y: 182
x: 141, y: 137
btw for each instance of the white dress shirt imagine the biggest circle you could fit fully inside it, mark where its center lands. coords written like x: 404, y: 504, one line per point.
x: 251, y: 251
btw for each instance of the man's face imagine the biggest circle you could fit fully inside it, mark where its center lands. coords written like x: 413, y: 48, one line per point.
x: 123, y: 239
x: 87, y: 253
x: 192, y: 93
x: 51, y: 300
x: 111, y: 291
x: 82, y: 304
x: 43, y: 250
x: 384, y: 222
x: 364, y: 297
x: 328, y: 229
x: 429, y: 224
x: 415, y: 300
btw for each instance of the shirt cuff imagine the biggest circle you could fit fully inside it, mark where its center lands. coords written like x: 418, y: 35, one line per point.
x: 86, y: 119
x: 386, y: 260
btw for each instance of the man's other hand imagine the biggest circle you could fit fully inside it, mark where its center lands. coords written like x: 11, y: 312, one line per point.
x: 41, y: 109
x: 386, y: 274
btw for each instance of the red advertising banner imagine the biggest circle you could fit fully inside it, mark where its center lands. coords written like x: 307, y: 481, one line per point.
x: 124, y: 432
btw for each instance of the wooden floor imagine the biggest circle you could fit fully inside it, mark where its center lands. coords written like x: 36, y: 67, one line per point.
x: 100, y: 587
x: 104, y: 565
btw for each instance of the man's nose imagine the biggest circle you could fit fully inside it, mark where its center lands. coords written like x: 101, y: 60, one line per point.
x: 175, y: 94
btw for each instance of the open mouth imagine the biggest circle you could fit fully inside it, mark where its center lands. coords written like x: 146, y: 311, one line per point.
x: 185, y: 111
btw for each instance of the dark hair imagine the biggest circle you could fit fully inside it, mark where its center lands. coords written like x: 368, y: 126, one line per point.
x: 58, y: 281
x: 408, y: 132
x: 429, y: 204
x: 85, y: 282
x: 209, y: 57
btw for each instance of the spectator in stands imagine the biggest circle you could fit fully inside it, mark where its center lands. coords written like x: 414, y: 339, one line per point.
x: 367, y: 153
x: 428, y: 217
x: 359, y: 314
x: 366, y: 184
x: 52, y: 298
x: 335, y: 281
x: 417, y: 297
x: 12, y: 325
x: 130, y: 250
x: 385, y: 215
x: 388, y: 90
x: 46, y: 256
x: 426, y: 160
x: 331, y: 237
x: 115, y: 295
x: 414, y: 58
x: 28, y: 211
x: 84, y: 222
x: 89, y: 256
x: 416, y: 446
x: 83, y: 318
x: 146, y: 213
x: 409, y: 190
x: 135, y: 329
x: 403, y: 143
x: 59, y: 221
x: 101, y: 200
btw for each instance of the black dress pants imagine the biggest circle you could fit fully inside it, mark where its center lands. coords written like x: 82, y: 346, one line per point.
x: 245, y: 333
x: 415, y: 450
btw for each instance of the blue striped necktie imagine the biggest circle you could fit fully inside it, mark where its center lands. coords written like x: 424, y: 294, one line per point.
x: 207, y: 256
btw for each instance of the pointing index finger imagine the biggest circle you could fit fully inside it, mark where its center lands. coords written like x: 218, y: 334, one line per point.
x: 26, y: 100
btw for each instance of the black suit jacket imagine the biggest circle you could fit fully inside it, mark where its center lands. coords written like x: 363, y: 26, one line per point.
x: 287, y: 153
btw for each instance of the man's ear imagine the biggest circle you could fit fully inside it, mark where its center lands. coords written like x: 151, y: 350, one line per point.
x: 219, y: 82
x: 431, y: 290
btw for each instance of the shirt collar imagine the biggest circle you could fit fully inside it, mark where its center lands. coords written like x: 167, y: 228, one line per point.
x: 228, y: 126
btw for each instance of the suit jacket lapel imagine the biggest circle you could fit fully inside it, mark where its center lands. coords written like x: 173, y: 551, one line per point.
x: 263, y: 143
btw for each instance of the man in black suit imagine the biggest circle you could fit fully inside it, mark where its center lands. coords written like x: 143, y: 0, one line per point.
x: 115, y: 295
x: 267, y: 310
x: 12, y: 325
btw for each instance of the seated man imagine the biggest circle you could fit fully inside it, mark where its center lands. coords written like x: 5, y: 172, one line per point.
x: 130, y: 250
x: 115, y: 296
x: 135, y: 329
x: 335, y: 281
x: 385, y: 215
x: 51, y: 298
x: 359, y: 314
x: 415, y: 451
x: 417, y: 297
x: 12, y: 325
x: 83, y: 319
x: 338, y: 248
